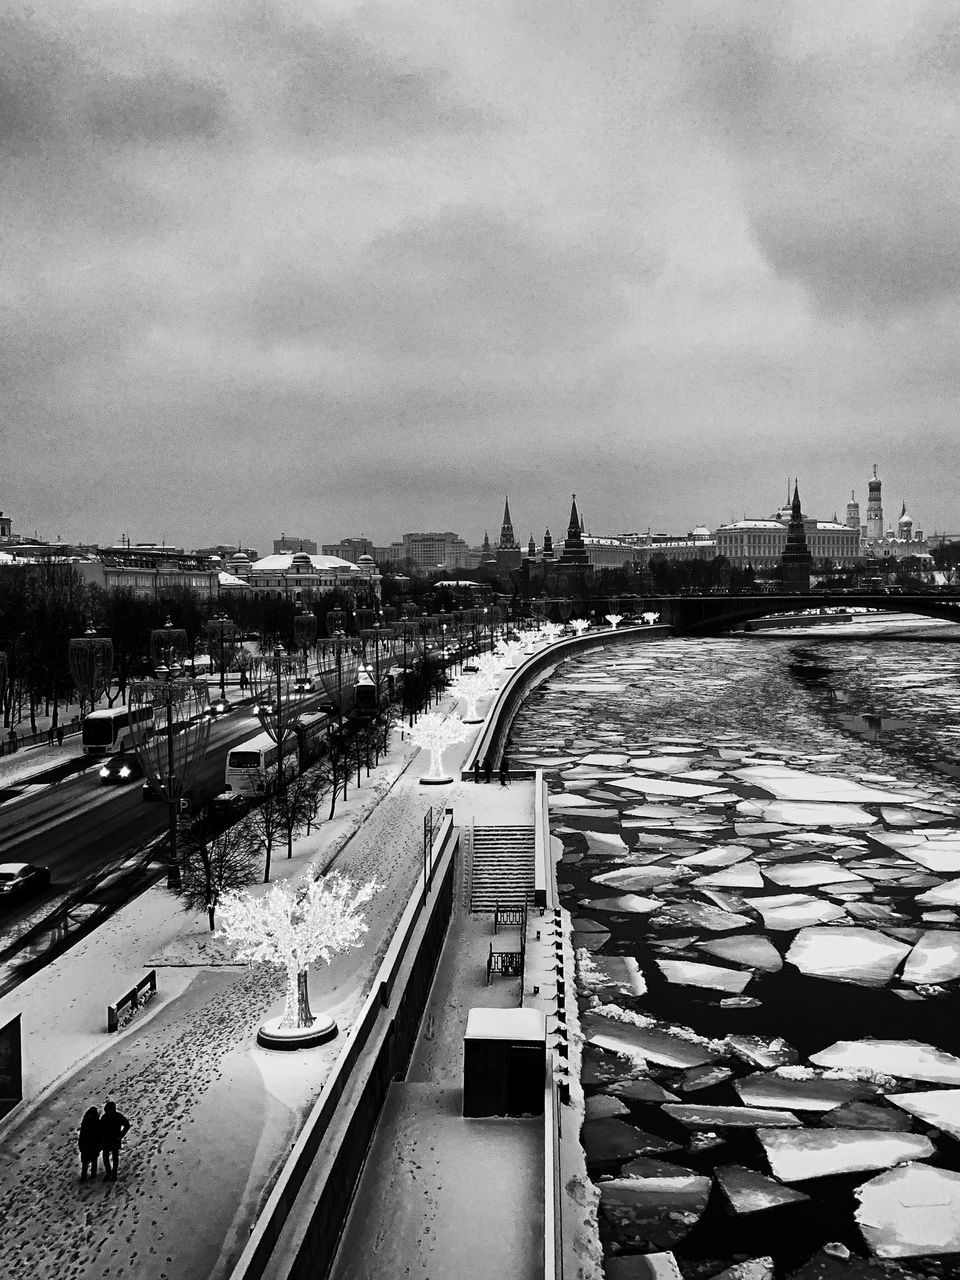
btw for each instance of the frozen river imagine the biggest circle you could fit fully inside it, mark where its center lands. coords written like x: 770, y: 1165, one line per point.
x: 761, y: 851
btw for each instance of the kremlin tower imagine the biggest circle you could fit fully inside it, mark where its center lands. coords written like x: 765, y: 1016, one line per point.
x: 796, y: 561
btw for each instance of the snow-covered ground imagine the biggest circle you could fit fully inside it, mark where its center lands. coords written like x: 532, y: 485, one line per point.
x: 213, y: 1115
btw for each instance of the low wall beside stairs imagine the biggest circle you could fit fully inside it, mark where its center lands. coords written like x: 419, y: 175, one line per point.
x: 298, y: 1230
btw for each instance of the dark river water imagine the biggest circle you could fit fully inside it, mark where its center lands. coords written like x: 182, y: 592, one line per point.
x: 761, y: 853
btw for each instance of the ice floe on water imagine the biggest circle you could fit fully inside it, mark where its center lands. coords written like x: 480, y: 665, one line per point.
x: 750, y: 949
x: 795, y: 910
x: 847, y: 954
x: 690, y: 973
x: 906, y: 1059
x: 911, y: 1211
x: 787, y: 861
x: 800, y: 1154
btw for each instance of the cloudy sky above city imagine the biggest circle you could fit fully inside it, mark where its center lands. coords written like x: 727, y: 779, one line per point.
x: 344, y: 268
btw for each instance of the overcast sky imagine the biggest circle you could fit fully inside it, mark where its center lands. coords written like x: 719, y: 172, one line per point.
x: 343, y: 268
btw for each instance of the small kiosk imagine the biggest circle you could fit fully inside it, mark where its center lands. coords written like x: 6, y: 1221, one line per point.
x: 504, y: 1062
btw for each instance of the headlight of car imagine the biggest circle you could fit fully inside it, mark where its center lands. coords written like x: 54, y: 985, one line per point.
x: 104, y: 772
x: 125, y: 771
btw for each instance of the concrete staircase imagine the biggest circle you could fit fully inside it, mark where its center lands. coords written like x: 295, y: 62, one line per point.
x: 502, y: 870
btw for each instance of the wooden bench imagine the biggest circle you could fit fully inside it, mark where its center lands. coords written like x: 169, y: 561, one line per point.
x: 132, y: 1000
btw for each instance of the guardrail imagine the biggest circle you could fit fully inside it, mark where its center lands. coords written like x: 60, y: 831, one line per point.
x: 131, y: 1000
x: 297, y: 1232
x: 20, y: 741
x: 492, y: 736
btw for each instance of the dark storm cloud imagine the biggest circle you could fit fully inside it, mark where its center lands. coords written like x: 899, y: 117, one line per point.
x: 467, y: 285
x: 848, y: 151
x: 364, y: 264
x: 55, y: 95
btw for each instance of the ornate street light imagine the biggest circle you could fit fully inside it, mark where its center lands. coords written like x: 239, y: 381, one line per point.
x: 91, y: 665
x: 221, y: 635
x: 305, y: 633
x: 169, y: 757
x: 281, y: 695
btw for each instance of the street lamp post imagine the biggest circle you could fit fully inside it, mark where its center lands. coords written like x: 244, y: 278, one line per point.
x: 221, y: 632
x: 278, y: 716
x: 91, y: 665
x: 169, y: 760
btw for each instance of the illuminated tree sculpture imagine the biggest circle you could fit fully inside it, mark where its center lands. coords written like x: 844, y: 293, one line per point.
x: 580, y: 625
x: 613, y: 619
x: 434, y: 733
x: 551, y: 631
x: 510, y: 651
x: 292, y: 927
x: 472, y: 686
x: 91, y: 666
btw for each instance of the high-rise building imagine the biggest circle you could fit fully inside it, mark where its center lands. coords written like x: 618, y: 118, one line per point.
x: 435, y: 550
x: 288, y: 543
x: 348, y: 548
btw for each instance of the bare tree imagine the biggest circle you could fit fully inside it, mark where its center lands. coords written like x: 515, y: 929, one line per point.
x: 292, y: 806
x: 214, y: 860
x: 265, y: 824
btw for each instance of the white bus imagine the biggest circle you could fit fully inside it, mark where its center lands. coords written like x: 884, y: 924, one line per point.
x: 104, y: 732
x: 252, y: 765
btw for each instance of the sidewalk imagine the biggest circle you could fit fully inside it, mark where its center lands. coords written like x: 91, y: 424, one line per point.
x: 440, y: 1195
x: 213, y: 1115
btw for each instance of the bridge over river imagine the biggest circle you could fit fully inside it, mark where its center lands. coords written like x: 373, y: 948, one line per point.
x: 711, y: 614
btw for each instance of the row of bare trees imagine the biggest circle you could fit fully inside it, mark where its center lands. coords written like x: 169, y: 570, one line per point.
x: 216, y: 857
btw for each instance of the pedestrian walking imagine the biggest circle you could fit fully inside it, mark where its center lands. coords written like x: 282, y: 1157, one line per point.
x: 487, y: 767
x: 504, y: 771
x: 113, y: 1129
x: 476, y: 769
x: 59, y: 735
x: 50, y: 736
x: 88, y: 1142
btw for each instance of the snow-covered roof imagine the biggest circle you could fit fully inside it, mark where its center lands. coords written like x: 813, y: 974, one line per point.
x: 281, y: 563
x: 752, y: 524
x: 230, y: 582
x: 505, y: 1024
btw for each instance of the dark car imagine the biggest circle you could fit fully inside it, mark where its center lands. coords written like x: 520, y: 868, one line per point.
x: 123, y: 767
x: 20, y: 879
x: 219, y: 707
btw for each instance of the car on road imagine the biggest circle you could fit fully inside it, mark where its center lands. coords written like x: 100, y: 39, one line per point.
x: 21, y: 879
x: 123, y: 767
x: 219, y: 707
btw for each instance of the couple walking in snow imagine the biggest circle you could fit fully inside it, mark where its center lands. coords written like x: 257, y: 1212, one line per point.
x: 101, y: 1133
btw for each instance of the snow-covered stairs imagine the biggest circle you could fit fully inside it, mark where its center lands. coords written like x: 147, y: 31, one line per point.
x: 502, y: 872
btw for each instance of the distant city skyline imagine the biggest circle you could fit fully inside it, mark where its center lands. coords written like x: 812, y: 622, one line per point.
x: 361, y: 268
x: 311, y: 532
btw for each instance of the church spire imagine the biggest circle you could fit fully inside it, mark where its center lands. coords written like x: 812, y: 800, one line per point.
x: 574, y: 528
x: 507, y: 538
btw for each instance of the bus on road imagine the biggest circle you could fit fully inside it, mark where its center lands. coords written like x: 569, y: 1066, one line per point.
x: 104, y: 732
x: 252, y: 765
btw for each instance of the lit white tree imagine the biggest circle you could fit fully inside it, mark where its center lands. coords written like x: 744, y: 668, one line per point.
x: 292, y: 927
x: 551, y: 631
x: 472, y: 686
x: 650, y: 618
x: 492, y: 665
x: 510, y: 652
x: 434, y: 733
x: 579, y: 625
x: 613, y: 619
